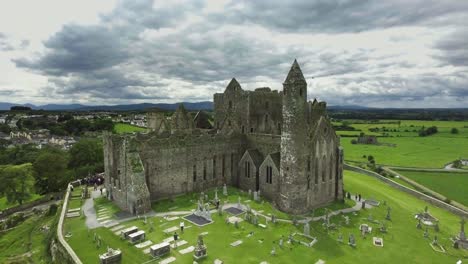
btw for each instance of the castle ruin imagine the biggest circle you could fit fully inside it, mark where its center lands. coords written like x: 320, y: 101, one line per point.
x: 275, y: 142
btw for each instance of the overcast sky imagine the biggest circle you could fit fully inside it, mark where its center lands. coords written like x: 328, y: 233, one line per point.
x: 401, y: 53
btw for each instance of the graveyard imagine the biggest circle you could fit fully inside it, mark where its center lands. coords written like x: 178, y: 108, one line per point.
x: 243, y: 232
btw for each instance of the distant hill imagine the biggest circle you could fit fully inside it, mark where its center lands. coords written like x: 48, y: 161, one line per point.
x: 206, y: 105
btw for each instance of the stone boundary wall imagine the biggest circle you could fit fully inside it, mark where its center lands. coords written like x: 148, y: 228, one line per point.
x: 410, y: 191
x: 72, y: 257
x: 26, y: 206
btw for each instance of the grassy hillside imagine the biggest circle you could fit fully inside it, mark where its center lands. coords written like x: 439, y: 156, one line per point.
x: 403, y: 243
x: 451, y: 185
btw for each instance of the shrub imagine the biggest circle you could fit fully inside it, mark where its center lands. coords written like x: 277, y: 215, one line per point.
x: 52, y: 210
x: 454, y: 131
x: 354, y: 141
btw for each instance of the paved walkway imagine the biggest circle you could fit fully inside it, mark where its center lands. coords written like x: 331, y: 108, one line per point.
x: 90, y: 212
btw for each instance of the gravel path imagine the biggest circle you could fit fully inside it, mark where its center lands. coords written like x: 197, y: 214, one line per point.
x: 90, y: 212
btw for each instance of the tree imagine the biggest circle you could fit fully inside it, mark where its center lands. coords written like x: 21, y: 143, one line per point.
x: 51, y: 170
x: 457, y: 164
x: 86, y: 156
x: 454, y: 130
x: 17, y: 182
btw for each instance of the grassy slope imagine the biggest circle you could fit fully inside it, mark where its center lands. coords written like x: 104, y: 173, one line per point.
x: 452, y: 185
x: 26, y: 237
x: 122, y: 128
x: 5, y: 205
x: 403, y: 244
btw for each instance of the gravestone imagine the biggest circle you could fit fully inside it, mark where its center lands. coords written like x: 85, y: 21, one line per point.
x: 419, y: 225
x: 388, y: 213
x: 239, y: 202
x: 200, y: 249
x: 112, y: 256
x: 255, y: 219
x: 273, y: 219
x: 160, y: 249
x: 426, y: 233
x: 136, y: 236
x: 255, y: 196
x: 273, y: 251
x: 340, y: 238
x: 225, y: 192
x: 351, y: 240
x: 346, y: 220
x: 250, y: 193
x: 435, y: 241
x: 307, y: 229
x: 280, y: 243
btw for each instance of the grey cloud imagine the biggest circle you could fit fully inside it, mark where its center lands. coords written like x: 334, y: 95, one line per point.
x: 454, y: 48
x: 4, y: 43
x: 79, y: 48
x: 114, y: 60
x: 342, y: 16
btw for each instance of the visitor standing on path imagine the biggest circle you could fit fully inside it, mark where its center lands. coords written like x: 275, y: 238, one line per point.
x: 182, y: 225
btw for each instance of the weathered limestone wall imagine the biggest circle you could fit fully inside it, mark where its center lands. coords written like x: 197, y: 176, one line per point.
x: 265, y: 114
x: 267, y: 189
x: 264, y: 143
x: 191, y: 163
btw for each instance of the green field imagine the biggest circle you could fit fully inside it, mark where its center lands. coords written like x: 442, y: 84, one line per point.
x: 122, y: 128
x: 5, y: 205
x: 450, y: 184
x: 25, y: 243
x: 411, y: 150
x: 404, y: 243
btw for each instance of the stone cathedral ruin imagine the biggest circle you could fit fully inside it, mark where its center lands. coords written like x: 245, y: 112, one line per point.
x: 274, y: 142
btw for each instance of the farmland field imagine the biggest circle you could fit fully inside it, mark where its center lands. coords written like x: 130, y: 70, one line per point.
x: 410, y: 150
x: 450, y: 184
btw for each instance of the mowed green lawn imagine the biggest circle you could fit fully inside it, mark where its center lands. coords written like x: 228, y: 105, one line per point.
x: 411, y: 150
x: 122, y: 128
x: 450, y: 184
x: 403, y: 243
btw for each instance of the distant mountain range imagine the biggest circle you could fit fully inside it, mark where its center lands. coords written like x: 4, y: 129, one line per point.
x: 206, y: 105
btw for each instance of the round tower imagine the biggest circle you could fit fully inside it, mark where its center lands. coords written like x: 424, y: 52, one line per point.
x: 293, y: 185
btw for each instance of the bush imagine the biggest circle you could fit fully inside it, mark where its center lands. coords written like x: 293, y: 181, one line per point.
x: 454, y: 131
x: 14, y: 219
x: 427, y: 132
x: 353, y: 141
x: 52, y: 210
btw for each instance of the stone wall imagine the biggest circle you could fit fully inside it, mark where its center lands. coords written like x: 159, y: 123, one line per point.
x: 405, y: 189
x: 61, y: 251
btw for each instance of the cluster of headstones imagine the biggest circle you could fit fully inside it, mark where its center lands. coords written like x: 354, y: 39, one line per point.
x: 203, y: 210
x: 250, y: 216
